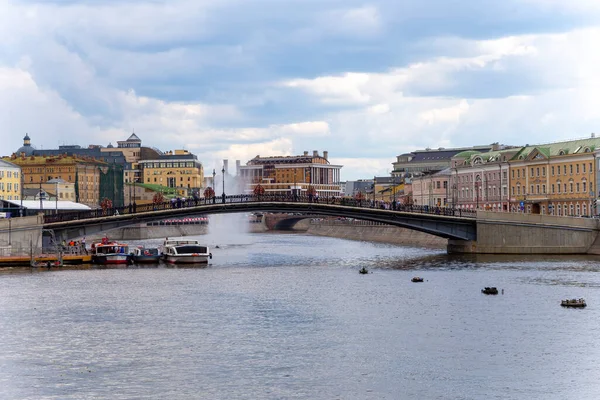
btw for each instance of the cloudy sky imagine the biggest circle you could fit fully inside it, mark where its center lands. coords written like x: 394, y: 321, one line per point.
x: 366, y: 80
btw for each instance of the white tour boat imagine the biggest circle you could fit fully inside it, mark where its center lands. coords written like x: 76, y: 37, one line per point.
x: 185, y: 252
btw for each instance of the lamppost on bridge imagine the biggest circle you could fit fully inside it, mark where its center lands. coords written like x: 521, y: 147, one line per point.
x: 213, y: 184
x: 477, y: 185
x: 394, y: 192
x: 130, y: 205
x: 374, y: 179
x: 223, y: 171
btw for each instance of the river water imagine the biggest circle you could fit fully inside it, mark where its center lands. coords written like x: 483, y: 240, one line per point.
x: 288, y: 316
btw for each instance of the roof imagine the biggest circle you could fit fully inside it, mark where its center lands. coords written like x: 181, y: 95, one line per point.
x: 578, y: 146
x: 49, y: 205
x: 133, y: 138
x: 466, y: 154
x: 6, y: 164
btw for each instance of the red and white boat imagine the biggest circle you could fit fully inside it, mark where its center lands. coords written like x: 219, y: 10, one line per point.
x: 109, y: 252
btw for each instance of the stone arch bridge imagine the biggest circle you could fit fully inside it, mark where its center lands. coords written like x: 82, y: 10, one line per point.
x: 467, y: 232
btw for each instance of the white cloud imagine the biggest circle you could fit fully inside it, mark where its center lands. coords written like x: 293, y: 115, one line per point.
x: 354, y: 22
x: 67, y: 73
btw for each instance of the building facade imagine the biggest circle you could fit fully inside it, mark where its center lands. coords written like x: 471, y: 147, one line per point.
x: 481, y: 180
x: 85, y: 173
x: 555, y: 178
x: 10, y: 181
x: 289, y: 175
x: 431, y: 190
x: 427, y: 161
x: 177, y: 169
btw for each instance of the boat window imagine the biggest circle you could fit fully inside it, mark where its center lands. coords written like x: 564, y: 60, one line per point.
x: 185, y: 249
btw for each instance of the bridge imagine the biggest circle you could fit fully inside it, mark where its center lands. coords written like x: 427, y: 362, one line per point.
x: 446, y: 223
x: 480, y: 232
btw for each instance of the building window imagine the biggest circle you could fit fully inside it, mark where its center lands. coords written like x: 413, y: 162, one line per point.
x: 553, y: 188
x: 577, y: 187
x: 518, y: 173
x: 538, y: 171
x: 532, y: 172
x: 570, y: 186
x: 584, y: 187
x: 531, y: 190
x: 513, y: 174
x: 583, y: 166
x: 543, y: 171
x: 577, y: 168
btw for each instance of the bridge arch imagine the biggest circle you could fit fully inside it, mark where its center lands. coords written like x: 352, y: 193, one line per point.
x: 434, y: 222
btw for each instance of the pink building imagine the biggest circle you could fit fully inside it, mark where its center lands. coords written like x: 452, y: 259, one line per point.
x: 481, y: 180
x: 432, y: 189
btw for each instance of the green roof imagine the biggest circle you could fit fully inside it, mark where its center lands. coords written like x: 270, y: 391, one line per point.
x: 467, y: 154
x: 578, y: 146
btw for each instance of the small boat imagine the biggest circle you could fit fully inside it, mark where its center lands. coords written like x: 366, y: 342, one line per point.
x: 489, y: 290
x: 575, y: 303
x: 417, y: 279
x: 108, y: 252
x: 46, y: 264
x: 363, y: 270
x: 146, y: 255
x: 185, y: 252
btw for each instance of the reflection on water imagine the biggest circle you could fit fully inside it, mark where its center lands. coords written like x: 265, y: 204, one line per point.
x: 289, y: 316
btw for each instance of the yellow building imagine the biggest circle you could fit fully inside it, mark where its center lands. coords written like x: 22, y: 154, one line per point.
x: 555, y: 178
x: 286, y: 175
x: 83, y: 171
x: 10, y: 181
x: 179, y: 169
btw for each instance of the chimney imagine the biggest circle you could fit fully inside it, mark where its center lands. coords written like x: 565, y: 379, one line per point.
x: 226, y: 166
x: 306, y: 153
x: 315, y: 153
x: 325, y: 154
x: 237, y: 167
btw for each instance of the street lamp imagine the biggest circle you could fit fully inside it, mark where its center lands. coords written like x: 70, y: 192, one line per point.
x: 130, y: 205
x: 477, y: 184
x: 223, y: 171
x: 394, y: 191
x: 56, y: 198
x: 374, y: 179
x: 213, y: 184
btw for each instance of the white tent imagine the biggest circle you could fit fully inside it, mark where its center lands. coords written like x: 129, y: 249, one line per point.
x: 49, y: 205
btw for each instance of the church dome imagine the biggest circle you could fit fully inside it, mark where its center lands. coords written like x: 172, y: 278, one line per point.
x: 26, y: 148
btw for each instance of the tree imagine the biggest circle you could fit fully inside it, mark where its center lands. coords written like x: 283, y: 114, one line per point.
x: 158, y: 198
x: 359, y: 196
x: 209, y: 193
x: 106, y: 203
x: 258, y: 190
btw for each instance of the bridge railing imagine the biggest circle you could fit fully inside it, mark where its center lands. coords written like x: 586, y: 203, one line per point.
x: 243, y: 198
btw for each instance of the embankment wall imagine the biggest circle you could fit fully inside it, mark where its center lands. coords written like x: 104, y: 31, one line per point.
x: 378, y: 233
x: 19, y: 235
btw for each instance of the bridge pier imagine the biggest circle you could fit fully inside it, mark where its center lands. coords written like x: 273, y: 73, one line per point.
x: 510, y: 233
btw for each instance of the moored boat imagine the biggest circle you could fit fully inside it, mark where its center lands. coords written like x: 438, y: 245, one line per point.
x: 185, y: 252
x: 417, y: 279
x: 363, y: 270
x: 108, y: 252
x: 146, y: 255
x: 575, y: 303
x: 489, y: 290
